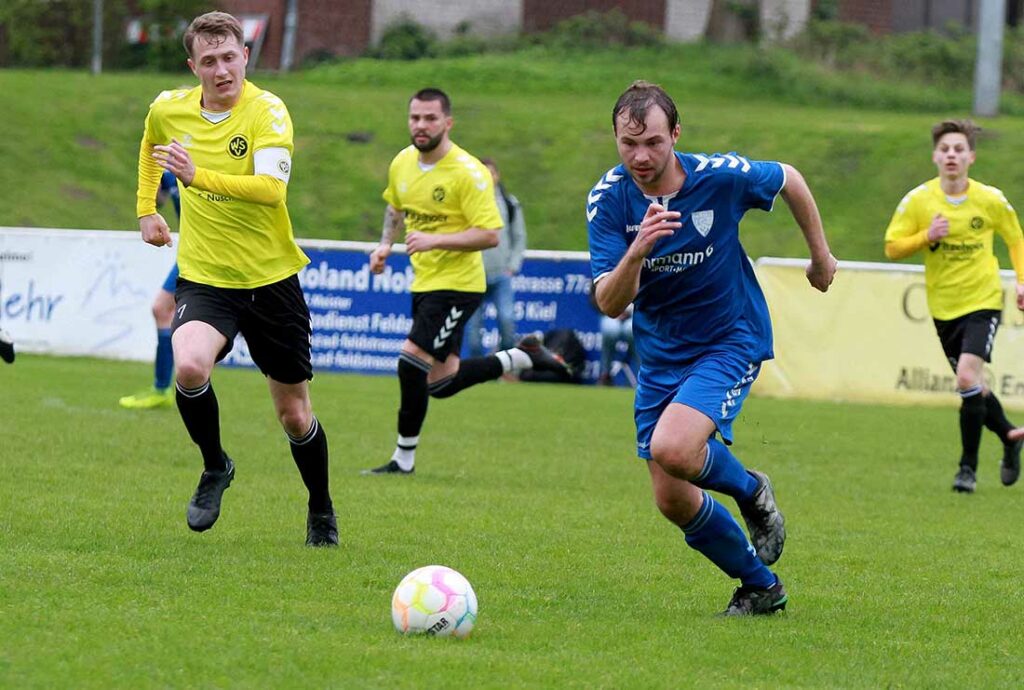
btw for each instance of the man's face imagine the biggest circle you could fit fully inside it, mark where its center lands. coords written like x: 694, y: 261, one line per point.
x: 646, y: 151
x: 428, y: 125
x: 952, y: 155
x: 219, y: 63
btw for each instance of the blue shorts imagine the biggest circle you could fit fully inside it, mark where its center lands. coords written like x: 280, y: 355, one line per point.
x: 172, y: 279
x: 716, y: 385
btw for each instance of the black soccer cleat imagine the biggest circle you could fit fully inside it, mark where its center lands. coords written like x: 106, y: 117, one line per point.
x: 765, y: 523
x: 204, y: 508
x: 964, y: 482
x: 6, y: 347
x: 542, y: 358
x: 1009, y: 469
x: 757, y: 601
x: 321, y: 529
x: 391, y: 467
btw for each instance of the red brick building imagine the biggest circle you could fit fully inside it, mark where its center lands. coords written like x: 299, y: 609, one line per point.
x: 893, y: 16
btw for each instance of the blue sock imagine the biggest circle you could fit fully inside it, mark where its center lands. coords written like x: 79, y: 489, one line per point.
x: 723, y: 473
x: 164, y: 365
x: 714, y: 533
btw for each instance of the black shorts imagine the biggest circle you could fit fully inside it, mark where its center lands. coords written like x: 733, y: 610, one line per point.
x: 438, y: 319
x: 274, y: 320
x: 973, y: 333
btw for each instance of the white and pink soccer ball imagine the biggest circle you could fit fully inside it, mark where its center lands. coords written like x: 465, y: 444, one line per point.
x: 434, y: 600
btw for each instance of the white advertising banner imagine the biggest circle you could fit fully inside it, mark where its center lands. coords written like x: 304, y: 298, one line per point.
x: 80, y: 292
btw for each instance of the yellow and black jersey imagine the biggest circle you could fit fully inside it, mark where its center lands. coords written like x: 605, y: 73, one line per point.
x: 226, y: 241
x: 961, y: 272
x: 455, y: 194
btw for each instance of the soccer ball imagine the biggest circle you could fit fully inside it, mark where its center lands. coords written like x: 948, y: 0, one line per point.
x: 435, y: 600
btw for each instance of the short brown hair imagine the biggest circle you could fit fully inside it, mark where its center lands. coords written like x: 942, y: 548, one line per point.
x: 965, y: 127
x: 638, y: 99
x: 215, y: 25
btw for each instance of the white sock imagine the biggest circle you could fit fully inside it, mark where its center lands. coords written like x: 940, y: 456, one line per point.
x: 405, y: 451
x: 514, y: 360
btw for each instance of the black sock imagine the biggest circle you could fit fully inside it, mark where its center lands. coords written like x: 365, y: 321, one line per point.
x: 471, y: 372
x: 412, y: 380
x: 310, y: 454
x: 201, y: 414
x: 972, y: 419
x: 995, y: 418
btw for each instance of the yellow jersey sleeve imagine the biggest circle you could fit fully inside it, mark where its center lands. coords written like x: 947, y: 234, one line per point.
x: 479, y: 203
x: 149, y: 175
x: 906, y: 220
x: 273, y: 126
x: 1008, y: 227
x: 390, y: 194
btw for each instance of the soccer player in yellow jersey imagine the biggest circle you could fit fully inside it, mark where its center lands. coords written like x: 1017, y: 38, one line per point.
x: 952, y: 219
x: 444, y: 197
x: 229, y: 143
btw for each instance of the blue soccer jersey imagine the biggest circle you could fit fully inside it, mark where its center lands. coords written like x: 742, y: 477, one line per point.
x: 169, y: 185
x: 698, y: 291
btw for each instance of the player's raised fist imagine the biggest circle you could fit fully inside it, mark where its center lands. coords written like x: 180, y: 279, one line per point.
x: 155, y: 231
x: 938, y: 229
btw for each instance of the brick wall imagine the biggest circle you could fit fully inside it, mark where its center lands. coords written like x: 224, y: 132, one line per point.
x: 338, y: 28
x: 875, y: 14
x: 270, y: 54
x: 325, y: 26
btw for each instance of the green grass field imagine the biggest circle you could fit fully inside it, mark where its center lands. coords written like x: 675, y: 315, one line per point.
x: 534, y: 494
x: 861, y: 143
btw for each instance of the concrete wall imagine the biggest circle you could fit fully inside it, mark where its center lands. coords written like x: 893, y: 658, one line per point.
x: 782, y: 19
x: 486, y: 17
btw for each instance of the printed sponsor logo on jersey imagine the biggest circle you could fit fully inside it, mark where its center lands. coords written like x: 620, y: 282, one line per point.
x: 678, y: 261
x: 604, y: 183
x: 414, y: 217
x: 632, y: 228
x: 703, y: 220
x: 729, y: 160
x: 977, y: 222
x: 238, y: 146
x: 438, y: 194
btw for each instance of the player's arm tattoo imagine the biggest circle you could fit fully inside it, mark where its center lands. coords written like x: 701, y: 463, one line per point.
x: 393, y: 221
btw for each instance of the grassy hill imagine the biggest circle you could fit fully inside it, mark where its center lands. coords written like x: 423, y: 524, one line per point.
x: 69, y: 158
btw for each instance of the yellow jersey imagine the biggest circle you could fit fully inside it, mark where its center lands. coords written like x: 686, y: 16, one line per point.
x: 228, y: 242
x: 454, y: 194
x: 961, y: 273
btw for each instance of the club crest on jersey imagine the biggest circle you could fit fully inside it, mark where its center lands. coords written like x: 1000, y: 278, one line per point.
x: 703, y: 220
x: 438, y: 194
x: 238, y: 146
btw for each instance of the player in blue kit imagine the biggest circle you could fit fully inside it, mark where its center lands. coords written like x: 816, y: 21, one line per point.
x: 664, y: 236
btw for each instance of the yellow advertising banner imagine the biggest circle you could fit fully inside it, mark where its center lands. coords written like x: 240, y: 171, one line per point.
x: 870, y: 338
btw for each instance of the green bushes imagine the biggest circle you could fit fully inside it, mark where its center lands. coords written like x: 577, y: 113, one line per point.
x: 408, y: 40
x: 58, y: 33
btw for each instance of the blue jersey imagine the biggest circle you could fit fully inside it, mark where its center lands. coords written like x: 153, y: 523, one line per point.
x: 697, y: 291
x: 169, y: 184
